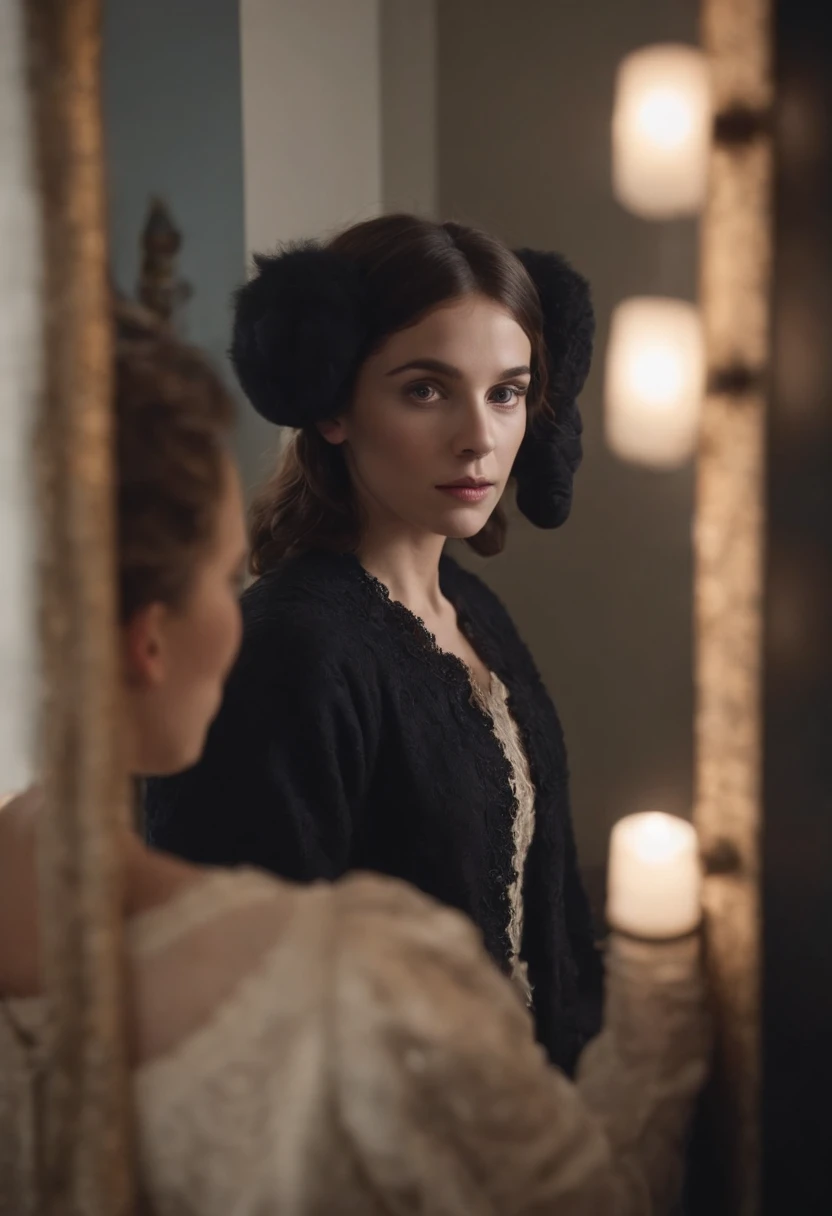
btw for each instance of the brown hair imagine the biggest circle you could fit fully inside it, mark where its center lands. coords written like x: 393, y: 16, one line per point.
x: 173, y: 418
x: 408, y: 266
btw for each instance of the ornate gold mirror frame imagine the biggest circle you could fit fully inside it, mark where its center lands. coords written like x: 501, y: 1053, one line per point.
x: 735, y: 290
x: 84, y: 1149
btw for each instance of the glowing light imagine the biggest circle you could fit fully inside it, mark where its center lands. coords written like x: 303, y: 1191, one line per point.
x: 654, y: 876
x: 660, y: 133
x: 654, y: 381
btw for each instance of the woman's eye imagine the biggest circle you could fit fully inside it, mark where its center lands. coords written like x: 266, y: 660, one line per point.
x: 423, y: 393
x: 508, y: 394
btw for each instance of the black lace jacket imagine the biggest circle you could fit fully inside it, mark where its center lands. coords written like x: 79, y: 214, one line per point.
x: 348, y: 740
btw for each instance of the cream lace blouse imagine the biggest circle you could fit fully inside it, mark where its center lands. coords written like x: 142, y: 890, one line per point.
x: 495, y: 704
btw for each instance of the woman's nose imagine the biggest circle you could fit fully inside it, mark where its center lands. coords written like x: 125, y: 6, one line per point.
x: 475, y: 435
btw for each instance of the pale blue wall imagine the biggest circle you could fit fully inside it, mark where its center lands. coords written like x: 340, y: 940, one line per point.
x: 173, y: 120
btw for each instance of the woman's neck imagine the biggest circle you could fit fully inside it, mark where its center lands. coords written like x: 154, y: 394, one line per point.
x: 409, y: 569
x: 408, y: 566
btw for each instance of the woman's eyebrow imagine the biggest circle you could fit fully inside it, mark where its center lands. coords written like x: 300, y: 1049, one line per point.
x: 427, y: 365
x: 447, y: 369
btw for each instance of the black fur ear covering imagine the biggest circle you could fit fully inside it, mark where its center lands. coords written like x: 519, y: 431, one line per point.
x: 298, y: 334
x: 551, y: 451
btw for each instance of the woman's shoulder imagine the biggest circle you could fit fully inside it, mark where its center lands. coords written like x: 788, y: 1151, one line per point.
x: 327, y: 583
x: 374, y: 903
x: 310, y: 609
x: 358, y: 912
x: 372, y: 944
x: 369, y: 1001
x: 370, y: 922
x: 390, y: 956
x: 412, y: 953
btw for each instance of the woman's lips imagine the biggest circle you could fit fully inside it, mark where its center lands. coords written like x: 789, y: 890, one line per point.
x: 468, y: 493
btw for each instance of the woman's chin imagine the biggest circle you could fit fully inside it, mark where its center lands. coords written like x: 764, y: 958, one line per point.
x: 465, y: 522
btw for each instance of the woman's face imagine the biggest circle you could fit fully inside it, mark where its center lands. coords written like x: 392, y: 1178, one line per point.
x: 177, y: 659
x: 438, y: 415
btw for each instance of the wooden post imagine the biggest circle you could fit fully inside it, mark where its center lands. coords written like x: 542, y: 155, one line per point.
x: 734, y: 290
x: 84, y: 1147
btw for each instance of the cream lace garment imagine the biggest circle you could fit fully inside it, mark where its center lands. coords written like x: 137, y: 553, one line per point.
x: 349, y: 1049
x: 495, y: 704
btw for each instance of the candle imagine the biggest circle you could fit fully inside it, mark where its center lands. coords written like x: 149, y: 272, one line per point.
x: 654, y: 886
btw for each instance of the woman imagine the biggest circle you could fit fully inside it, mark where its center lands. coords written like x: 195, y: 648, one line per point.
x: 337, y: 1048
x: 384, y: 714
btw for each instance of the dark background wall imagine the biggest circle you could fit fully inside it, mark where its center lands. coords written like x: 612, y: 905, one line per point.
x: 797, y: 838
x: 524, y: 107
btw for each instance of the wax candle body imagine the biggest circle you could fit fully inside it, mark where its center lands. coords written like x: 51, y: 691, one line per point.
x: 654, y: 887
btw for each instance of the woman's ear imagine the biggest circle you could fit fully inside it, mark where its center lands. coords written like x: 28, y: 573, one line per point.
x: 333, y: 430
x: 143, y: 647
